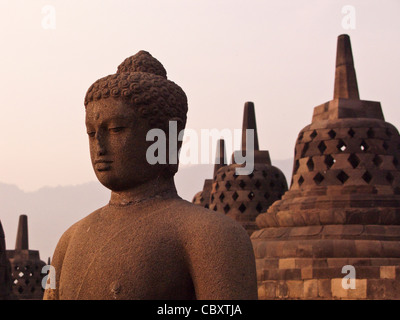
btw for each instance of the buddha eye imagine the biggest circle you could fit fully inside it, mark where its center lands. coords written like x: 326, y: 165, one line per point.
x: 116, y: 129
x: 91, y: 134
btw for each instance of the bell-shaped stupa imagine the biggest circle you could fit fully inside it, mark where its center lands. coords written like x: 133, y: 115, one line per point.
x: 342, y: 212
x: 5, y: 278
x: 26, y: 266
x: 244, y: 197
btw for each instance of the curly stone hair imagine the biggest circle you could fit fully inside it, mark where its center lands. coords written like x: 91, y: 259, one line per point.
x: 141, y: 81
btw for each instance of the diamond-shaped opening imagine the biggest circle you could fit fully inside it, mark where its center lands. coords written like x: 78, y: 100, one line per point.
x: 259, y: 207
x: 301, y: 180
x: 351, y: 133
x: 389, y: 178
x: 272, y: 184
x: 367, y: 177
x: 266, y: 195
x: 235, y: 196
x: 318, y: 178
x: 388, y: 132
x: 235, y: 176
x: 342, y: 176
x: 264, y: 173
x: 251, y: 195
x: 212, y: 198
x: 305, y: 148
x: 322, y: 147
x: 364, y: 146
x: 332, y: 134
x: 329, y: 161
x: 377, y: 160
x: 216, y: 186
x: 242, y: 184
x: 242, y: 208
x: 341, y: 146
x: 223, y: 176
x: 227, y: 208
x: 201, y: 199
x: 310, y: 164
x: 313, y: 134
x: 228, y: 185
x: 221, y: 196
x: 370, y: 133
x: 215, y: 208
x: 27, y: 281
x: 301, y: 134
x: 258, y: 184
x: 15, y: 281
x: 207, y: 206
x: 20, y: 289
x: 395, y: 162
x: 385, y: 145
x: 353, y: 160
x: 296, y: 166
x: 21, y: 274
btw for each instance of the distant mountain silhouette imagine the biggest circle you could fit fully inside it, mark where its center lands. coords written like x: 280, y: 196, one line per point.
x: 52, y: 210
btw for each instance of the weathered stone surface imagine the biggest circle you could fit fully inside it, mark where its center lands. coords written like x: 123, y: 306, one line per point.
x: 146, y: 243
x: 388, y: 272
x: 26, y: 266
x: 244, y: 197
x: 202, y: 198
x: 343, y: 204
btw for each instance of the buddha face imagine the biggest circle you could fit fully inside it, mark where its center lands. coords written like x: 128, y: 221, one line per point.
x: 117, y: 140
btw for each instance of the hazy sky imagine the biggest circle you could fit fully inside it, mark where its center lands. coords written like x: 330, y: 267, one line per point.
x: 278, y: 54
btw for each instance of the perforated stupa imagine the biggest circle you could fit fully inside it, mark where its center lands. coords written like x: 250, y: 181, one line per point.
x: 244, y: 197
x: 343, y: 206
x: 26, y: 266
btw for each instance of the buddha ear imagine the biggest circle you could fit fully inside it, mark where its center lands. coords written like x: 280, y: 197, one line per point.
x: 172, y: 168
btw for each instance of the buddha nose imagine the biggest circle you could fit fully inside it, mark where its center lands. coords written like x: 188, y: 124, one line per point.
x: 100, y: 145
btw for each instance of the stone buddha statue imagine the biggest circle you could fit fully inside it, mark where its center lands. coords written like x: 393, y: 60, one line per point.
x: 147, y: 242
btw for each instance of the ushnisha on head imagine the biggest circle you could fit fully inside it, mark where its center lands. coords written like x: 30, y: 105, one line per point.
x: 120, y: 110
x: 141, y: 81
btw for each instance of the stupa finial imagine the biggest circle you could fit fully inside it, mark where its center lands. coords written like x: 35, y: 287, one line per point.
x: 249, y: 122
x: 220, y: 156
x: 345, y: 76
x: 1, y: 231
x: 22, y: 235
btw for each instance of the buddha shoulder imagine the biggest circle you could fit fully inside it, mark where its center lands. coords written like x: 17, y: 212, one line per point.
x: 200, y: 223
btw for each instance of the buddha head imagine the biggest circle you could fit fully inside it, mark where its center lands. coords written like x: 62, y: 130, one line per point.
x: 120, y: 110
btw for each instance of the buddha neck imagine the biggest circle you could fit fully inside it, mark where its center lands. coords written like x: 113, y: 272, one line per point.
x: 159, y: 188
